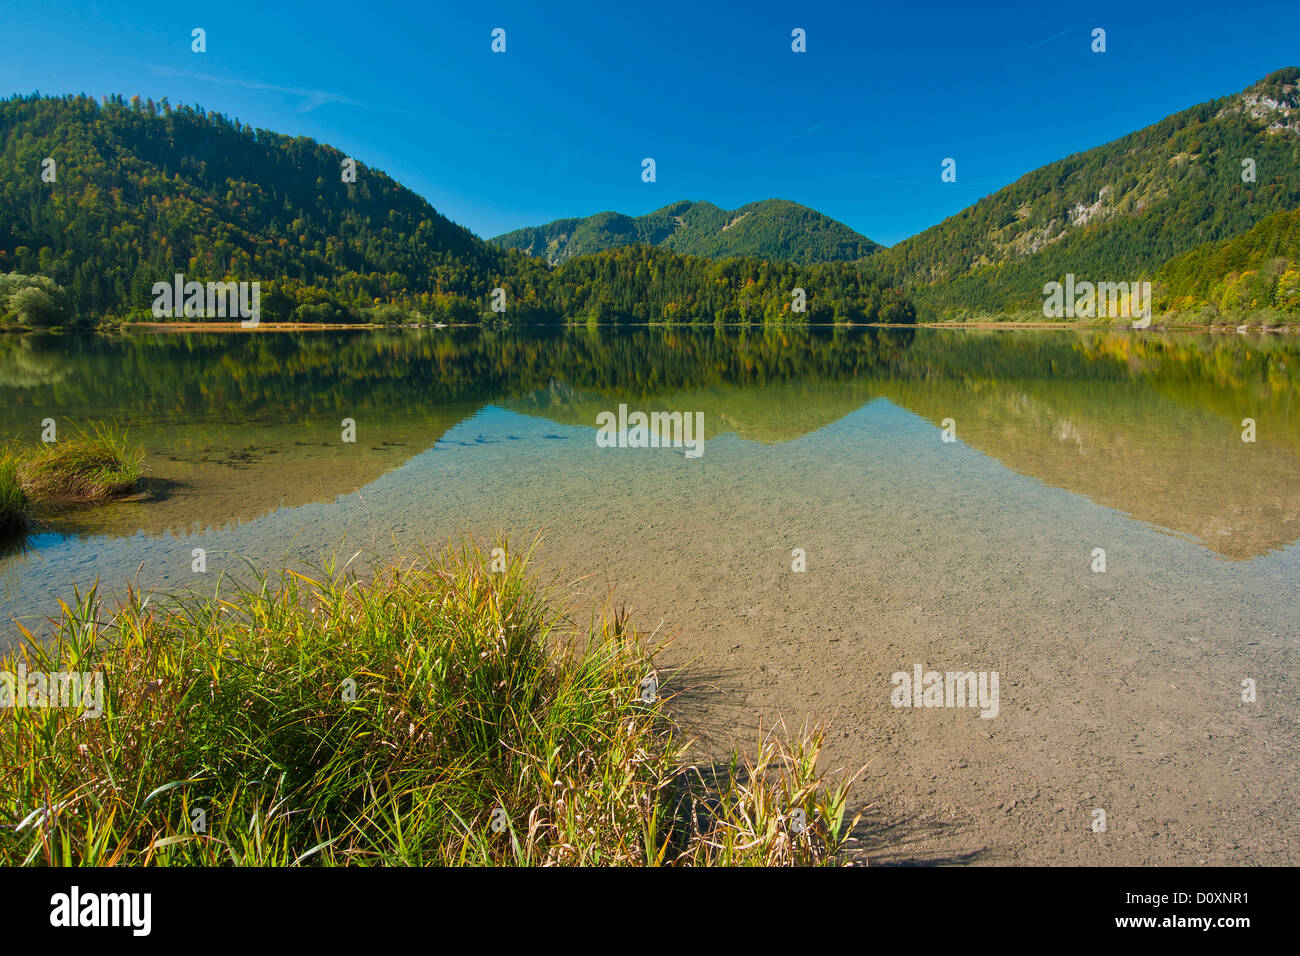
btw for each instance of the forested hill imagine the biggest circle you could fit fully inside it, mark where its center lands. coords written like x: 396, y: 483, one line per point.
x: 1259, y: 269
x: 140, y: 191
x: 772, y: 229
x: 143, y: 190
x: 1115, y: 211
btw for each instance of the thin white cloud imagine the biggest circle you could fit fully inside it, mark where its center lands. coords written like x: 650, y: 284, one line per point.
x: 310, y: 98
x: 1054, y: 36
x: 791, y: 139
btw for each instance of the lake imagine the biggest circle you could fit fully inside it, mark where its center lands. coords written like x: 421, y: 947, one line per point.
x: 953, y: 496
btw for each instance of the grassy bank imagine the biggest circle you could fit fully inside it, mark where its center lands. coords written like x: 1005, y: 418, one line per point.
x: 437, y: 713
x: 91, y: 464
x: 95, y: 464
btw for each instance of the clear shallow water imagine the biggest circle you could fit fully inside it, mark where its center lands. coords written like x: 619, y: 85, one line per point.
x: 825, y: 440
x: 1119, y: 690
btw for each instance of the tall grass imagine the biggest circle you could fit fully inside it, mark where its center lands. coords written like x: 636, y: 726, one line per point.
x: 90, y: 464
x: 13, y: 500
x: 435, y: 713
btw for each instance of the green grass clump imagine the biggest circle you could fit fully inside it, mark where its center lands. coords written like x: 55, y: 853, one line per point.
x: 88, y: 465
x: 387, y: 721
x: 13, y: 500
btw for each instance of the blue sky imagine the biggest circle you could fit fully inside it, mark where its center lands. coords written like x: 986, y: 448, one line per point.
x: 558, y: 125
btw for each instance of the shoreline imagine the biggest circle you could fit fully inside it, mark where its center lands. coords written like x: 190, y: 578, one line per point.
x: 238, y: 327
x: 983, y: 326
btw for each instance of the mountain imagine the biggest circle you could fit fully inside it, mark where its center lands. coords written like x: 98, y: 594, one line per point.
x: 771, y: 229
x: 142, y: 190
x: 1115, y: 212
x: 139, y: 191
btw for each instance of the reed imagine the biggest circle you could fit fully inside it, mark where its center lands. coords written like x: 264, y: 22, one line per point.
x: 436, y: 713
x: 13, y: 500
